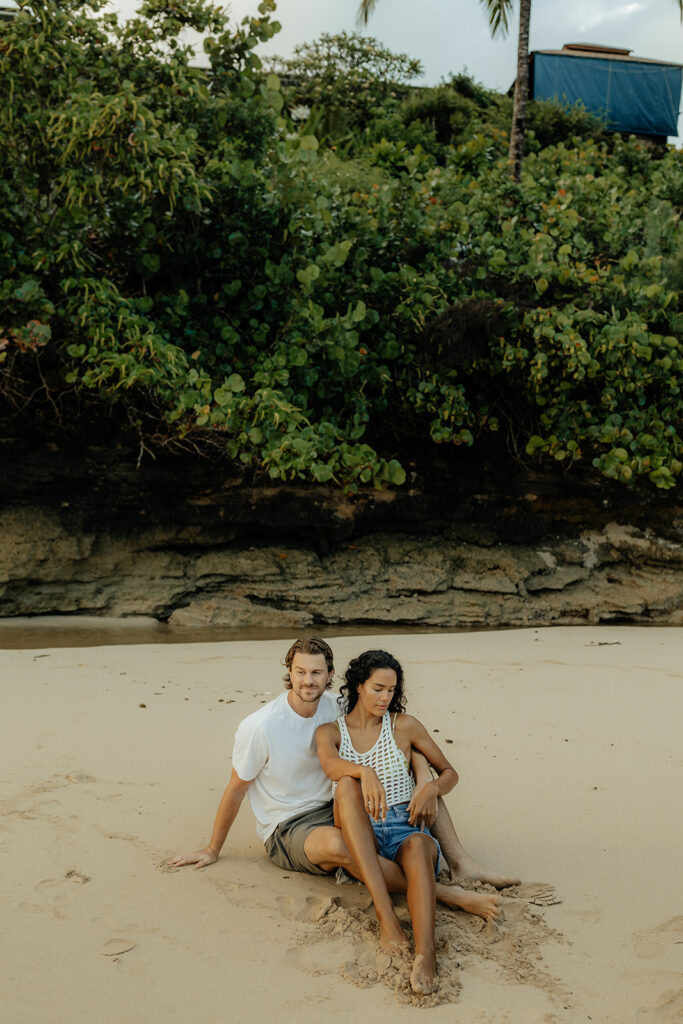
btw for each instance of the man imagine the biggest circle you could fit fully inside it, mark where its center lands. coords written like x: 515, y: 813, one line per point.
x: 276, y: 765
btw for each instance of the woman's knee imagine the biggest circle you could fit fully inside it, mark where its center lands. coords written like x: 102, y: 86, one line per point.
x: 419, y: 848
x: 348, y: 789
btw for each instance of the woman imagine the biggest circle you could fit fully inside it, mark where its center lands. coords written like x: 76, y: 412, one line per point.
x: 376, y: 737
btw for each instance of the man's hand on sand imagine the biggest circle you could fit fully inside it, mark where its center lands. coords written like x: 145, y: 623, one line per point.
x: 422, y: 807
x: 200, y: 858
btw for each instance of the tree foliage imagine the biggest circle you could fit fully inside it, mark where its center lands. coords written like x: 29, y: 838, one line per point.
x: 174, y: 246
x: 346, y: 81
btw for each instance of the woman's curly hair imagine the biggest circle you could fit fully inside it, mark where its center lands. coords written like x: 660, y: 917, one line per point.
x: 359, y: 671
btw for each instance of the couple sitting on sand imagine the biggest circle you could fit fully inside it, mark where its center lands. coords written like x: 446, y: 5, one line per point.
x: 353, y: 804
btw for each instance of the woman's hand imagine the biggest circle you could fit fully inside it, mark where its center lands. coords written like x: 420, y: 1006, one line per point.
x: 200, y: 858
x: 422, y: 807
x: 374, y: 797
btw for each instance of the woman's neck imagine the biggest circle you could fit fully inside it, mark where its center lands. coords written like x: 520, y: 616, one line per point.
x: 364, y: 721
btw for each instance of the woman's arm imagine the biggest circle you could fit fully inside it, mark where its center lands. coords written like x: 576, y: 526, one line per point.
x: 327, y: 740
x: 422, y: 807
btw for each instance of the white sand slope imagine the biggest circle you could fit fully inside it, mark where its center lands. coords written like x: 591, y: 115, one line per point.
x: 567, y: 742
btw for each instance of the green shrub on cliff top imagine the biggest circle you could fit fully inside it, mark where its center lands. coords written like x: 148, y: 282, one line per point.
x: 172, y: 244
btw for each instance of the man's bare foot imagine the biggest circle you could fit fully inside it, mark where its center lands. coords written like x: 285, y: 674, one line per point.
x: 467, y: 870
x: 423, y: 977
x: 484, y: 904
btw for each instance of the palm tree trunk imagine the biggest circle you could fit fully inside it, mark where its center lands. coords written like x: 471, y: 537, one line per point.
x: 519, y: 107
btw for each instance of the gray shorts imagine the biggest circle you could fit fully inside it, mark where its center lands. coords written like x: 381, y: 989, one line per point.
x: 285, y: 846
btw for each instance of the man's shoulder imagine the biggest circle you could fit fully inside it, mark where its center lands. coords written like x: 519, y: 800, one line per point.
x: 260, y: 718
x: 266, y: 717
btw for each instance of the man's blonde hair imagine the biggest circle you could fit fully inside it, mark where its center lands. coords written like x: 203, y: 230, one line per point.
x: 309, y: 645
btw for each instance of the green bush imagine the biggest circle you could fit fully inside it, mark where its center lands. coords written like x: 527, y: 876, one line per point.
x: 550, y: 123
x: 174, y: 247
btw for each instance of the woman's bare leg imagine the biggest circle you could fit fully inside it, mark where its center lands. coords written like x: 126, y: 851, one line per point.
x: 351, y: 816
x: 417, y: 857
x: 329, y: 848
x: 325, y: 846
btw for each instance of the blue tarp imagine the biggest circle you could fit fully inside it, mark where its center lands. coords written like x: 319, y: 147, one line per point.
x: 631, y: 96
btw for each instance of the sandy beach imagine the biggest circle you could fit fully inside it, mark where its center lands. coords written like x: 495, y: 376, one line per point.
x: 567, y: 741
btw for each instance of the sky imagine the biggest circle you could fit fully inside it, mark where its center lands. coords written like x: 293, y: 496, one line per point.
x: 449, y: 36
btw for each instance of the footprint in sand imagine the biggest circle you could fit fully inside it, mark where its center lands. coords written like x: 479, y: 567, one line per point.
x: 78, y: 877
x: 62, y: 892
x: 58, y: 892
x: 117, y: 947
x: 539, y: 893
x: 306, y: 908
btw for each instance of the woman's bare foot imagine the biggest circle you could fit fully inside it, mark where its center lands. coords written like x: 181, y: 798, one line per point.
x: 392, y: 936
x: 423, y: 977
x: 484, y: 904
x: 468, y: 870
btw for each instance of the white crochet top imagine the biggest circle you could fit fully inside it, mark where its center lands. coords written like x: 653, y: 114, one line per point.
x: 385, y: 757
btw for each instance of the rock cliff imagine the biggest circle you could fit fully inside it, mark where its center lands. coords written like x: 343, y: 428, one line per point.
x: 193, y: 546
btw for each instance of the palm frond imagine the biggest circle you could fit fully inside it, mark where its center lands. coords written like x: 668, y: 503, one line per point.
x: 367, y: 7
x: 498, y: 12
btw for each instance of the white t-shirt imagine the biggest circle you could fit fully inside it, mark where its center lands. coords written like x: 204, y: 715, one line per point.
x: 275, y: 751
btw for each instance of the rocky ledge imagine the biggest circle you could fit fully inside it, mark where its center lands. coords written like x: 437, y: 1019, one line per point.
x: 191, y: 577
x: 92, y: 530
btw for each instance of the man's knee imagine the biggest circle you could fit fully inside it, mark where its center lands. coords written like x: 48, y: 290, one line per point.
x: 328, y: 851
x: 337, y: 851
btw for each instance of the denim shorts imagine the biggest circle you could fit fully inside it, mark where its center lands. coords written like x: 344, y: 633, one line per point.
x: 395, y: 829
